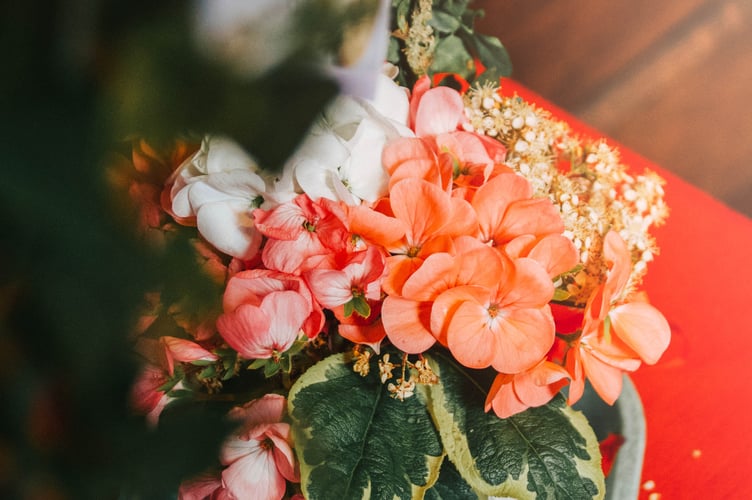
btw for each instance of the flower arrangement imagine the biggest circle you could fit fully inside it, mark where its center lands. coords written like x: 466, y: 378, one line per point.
x: 398, y: 308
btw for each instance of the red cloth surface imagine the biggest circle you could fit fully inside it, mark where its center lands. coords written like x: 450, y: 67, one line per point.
x: 698, y: 397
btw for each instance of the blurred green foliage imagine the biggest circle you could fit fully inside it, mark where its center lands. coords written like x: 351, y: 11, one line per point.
x: 79, y: 76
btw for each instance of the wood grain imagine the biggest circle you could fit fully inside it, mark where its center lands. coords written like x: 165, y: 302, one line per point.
x: 671, y: 80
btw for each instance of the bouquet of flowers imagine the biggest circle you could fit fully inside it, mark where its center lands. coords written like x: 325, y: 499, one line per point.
x: 398, y: 308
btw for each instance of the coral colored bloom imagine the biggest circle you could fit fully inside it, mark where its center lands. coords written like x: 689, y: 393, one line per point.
x: 259, y: 459
x: 146, y: 397
x: 508, y: 325
x: 429, y: 217
x: 618, y: 332
x: 411, y: 320
x: 416, y: 158
x: 511, y: 394
x: 203, y: 487
x: 506, y: 210
x: 185, y: 351
x: 474, y: 158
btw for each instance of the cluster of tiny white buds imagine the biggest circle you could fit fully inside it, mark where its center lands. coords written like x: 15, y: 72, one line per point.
x: 595, y: 195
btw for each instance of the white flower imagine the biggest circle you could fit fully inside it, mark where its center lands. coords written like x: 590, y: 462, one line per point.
x: 220, y: 185
x: 340, y: 159
x: 252, y: 36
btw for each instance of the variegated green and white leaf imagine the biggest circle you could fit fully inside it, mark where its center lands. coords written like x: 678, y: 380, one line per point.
x: 354, y: 441
x: 548, y: 452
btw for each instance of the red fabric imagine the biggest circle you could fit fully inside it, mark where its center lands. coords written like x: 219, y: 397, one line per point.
x: 697, y: 398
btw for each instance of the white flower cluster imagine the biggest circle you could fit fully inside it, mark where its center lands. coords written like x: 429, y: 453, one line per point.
x: 340, y: 159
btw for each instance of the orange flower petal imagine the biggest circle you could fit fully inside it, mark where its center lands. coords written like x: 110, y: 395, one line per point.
x: 437, y: 274
x: 643, y: 328
x: 502, y: 398
x: 470, y: 336
x: 447, y: 303
x: 406, y: 323
x: 556, y: 253
x: 492, y: 199
x: 605, y: 378
x: 616, y: 253
x: 532, y: 216
x: 423, y: 207
x: 529, y: 286
x: 539, y: 385
x: 524, y: 337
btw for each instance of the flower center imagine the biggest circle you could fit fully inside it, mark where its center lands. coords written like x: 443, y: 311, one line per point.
x: 493, y: 310
x: 267, y: 444
x: 310, y: 225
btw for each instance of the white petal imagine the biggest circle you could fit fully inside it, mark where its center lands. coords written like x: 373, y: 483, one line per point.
x: 225, y: 155
x: 229, y: 227
x: 238, y: 183
x: 391, y: 100
x: 364, y: 173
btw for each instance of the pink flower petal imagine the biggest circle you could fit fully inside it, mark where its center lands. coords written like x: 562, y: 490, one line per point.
x: 255, y: 476
x: 440, y: 110
x: 245, y: 331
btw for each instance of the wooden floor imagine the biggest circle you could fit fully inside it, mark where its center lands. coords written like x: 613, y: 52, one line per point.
x: 671, y: 80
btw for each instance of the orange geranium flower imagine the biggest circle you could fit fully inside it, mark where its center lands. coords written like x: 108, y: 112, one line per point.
x: 410, y: 320
x: 507, y: 325
x: 427, y: 217
x: 618, y: 333
x: 506, y: 210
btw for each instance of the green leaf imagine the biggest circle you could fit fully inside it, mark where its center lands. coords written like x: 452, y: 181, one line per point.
x: 494, y: 57
x: 353, y: 441
x: 545, y: 453
x: 208, y: 372
x: 401, y: 11
x: 453, y: 7
x: 452, y: 56
x: 444, y: 22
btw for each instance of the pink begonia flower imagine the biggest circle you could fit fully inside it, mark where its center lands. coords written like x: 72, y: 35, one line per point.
x: 361, y: 277
x: 220, y: 185
x: 340, y: 158
x: 251, y: 286
x: 302, y: 234
x: 266, y: 330
x: 206, y: 486
x: 259, y: 458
